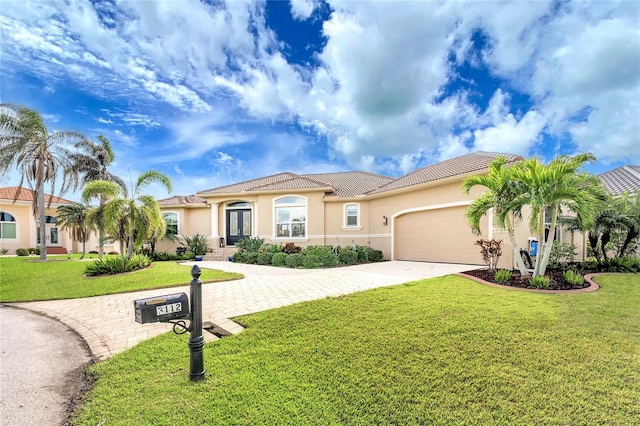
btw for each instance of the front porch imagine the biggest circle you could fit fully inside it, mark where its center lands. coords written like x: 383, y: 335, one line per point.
x: 220, y: 254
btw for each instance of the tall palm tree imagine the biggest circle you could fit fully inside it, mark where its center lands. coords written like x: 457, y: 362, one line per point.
x: 551, y: 187
x: 39, y: 156
x: 501, y: 191
x: 90, y: 164
x: 74, y: 217
x: 136, y: 216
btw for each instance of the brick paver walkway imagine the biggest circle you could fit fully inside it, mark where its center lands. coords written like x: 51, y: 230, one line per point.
x: 108, y: 326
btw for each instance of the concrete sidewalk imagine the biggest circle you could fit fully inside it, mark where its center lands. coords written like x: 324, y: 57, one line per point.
x: 108, y: 326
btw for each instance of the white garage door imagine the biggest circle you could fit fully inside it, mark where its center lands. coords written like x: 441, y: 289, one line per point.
x: 441, y: 235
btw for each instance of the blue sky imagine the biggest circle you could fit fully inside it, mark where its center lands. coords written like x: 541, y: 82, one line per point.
x: 214, y: 92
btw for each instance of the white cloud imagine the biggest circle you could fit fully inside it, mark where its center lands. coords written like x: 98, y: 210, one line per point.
x: 302, y: 9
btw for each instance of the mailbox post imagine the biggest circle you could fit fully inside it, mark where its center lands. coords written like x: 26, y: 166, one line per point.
x: 196, y: 340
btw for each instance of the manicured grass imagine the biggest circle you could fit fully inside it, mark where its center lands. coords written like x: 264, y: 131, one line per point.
x: 26, y: 279
x: 440, y: 351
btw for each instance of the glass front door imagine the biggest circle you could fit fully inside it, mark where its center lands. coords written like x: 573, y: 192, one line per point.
x: 51, y: 236
x: 238, y: 225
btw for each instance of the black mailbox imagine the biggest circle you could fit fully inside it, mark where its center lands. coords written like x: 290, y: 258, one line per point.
x: 161, y: 308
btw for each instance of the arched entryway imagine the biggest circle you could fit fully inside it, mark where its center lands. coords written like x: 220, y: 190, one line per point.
x: 238, y: 221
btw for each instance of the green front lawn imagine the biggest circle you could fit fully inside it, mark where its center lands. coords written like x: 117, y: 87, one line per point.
x: 25, y: 279
x: 439, y: 351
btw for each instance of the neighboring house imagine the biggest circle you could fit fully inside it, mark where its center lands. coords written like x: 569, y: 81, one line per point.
x: 19, y: 228
x: 622, y: 179
x: 419, y: 216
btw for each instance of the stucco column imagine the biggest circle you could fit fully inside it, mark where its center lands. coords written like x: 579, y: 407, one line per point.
x: 215, y: 233
x: 254, y: 219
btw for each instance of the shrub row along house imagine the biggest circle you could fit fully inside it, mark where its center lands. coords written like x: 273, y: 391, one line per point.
x: 417, y: 217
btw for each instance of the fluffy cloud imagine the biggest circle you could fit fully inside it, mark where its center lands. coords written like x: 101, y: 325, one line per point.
x: 383, y: 91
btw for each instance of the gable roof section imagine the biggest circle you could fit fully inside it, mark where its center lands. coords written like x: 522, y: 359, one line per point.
x: 278, y: 182
x: 9, y: 193
x: 457, y: 166
x: 182, y: 200
x: 351, y: 184
x: 622, y: 179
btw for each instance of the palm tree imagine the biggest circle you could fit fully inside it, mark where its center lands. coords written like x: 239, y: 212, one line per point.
x: 74, y: 217
x: 136, y: 217
x: 90, y: 164
x: 551, y: 187
x: 39, y: 156
x: 501, y: 191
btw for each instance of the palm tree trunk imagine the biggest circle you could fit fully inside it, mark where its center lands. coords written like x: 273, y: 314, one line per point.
x: 101, y: 233
x: 84, y: 248
x: 516, y: 253
x: 548, y: 244
x: 43, y: 225
x: 536, y: 269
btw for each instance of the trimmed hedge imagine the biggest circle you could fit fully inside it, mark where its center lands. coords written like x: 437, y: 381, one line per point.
x: 117, y: 265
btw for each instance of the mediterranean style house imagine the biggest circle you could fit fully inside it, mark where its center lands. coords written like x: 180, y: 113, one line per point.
x: 417, y: 217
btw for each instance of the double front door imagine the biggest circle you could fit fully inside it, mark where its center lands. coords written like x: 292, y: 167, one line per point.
x: 51, y: 235
x: 238, y: 225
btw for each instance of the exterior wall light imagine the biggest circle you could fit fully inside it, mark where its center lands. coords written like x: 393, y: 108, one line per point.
x: 385, y: 220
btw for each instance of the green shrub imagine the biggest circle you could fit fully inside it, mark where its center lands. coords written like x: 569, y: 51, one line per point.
x: 376, y: 256
x: 264, y: 258
x: 32, y: 250
x: 363, y: 253
x: 294, y: 260
x: 250, y: 244
x: 181, y: 250
x: 164, y: 256
x: 279, y: 259
x: 272, y: 248
x: 196, y: 243
x: 319, y: 257
x: 574, y: 278
x: 22, y: 252
x: 540, y: 282
x: 239, y: 257
x: 251, y: 258
x: 117, y: 265
x: 561, y: 254
x: 502, y: 276
x: 93, y: 252
x: 348, y: 257
x: 36, y: 251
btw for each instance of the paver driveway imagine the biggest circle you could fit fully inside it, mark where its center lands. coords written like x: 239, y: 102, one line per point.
x: 108, y: 326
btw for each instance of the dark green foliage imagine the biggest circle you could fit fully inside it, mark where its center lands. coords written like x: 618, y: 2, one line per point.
x: 376, y: 256
x: 561, y: 254
x: 251, y: 258
x: 238, y: 257
x: 272, y: 248
x: 348, y: 257
x: 294, y: 260
x: 181, y: 250
x: 264, y: 258
x: 32, y: 250
x: 196, y: 244
x: 319, y: 257
x: 93, y: 252
x: 250, y: 244
x: 164, y: 256
x: 279, y: 259
x: 22, y: 252
x: 117, y: 265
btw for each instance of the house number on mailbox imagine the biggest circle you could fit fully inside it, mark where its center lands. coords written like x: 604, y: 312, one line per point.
x: 168, y: 309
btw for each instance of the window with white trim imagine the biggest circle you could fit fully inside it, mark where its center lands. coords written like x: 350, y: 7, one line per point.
x: 171, y: 219
x: 8, y: 226
x: 290, y: 217
x: 352, y: 215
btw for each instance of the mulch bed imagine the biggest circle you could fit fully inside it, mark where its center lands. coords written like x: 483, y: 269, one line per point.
x: 556, y: 276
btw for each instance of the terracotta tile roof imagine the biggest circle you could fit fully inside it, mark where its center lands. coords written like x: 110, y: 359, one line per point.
x: 248, y: 185
x: 179, y: 200
x: 622, y: 179
x: 351, y: 184
x: 469, y: 163
x: 9, y: 193
x: 278, y: 182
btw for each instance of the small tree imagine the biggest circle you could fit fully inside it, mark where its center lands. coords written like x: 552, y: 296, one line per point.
x: 491, y: 251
